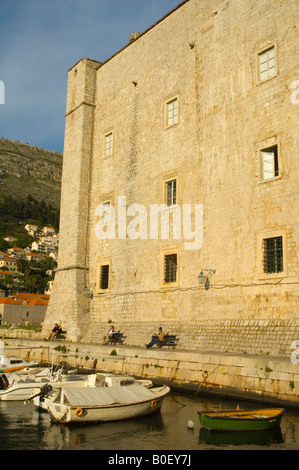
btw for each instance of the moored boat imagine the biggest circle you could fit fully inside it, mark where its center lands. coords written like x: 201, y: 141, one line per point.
x: 101, y: 404
x: 237, y: 420
x: 19, y: 387
x: 98, y: 379
x: 14, y: 364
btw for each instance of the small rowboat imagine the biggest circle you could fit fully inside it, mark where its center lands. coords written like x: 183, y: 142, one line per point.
x: 236, y: 420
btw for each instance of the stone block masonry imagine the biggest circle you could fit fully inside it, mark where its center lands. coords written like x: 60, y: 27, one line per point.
x: 266, y: 337
x: 262, y: 378
x: 200, y: 106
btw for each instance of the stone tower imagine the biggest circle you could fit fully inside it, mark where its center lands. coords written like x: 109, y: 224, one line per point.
x: 71, y: 277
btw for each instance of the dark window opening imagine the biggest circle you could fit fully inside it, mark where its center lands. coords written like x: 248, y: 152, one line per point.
x: 104, y: 278
x: 273, y: 255
x: 170, y: 268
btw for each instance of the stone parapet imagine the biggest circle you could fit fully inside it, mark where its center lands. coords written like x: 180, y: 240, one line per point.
x: 260, y: 378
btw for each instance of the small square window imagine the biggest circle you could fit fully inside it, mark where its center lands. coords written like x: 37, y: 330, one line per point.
x: 172, y: 112
x: 108, y: 144
x: 269, y: 162
x: 170, y: 268
x: 267, y: 64
x: 104, y: 277
x: 171, y: 192
x: 273, y: 255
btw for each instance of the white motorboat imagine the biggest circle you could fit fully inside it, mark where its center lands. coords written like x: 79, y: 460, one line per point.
x: 98, y: 404
x: 99, y: 379
x: 14, y: 364
x: 16, y: 387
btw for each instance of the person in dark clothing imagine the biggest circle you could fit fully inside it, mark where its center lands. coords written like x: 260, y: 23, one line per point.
x: 56, y: 330
x: 156, y: 338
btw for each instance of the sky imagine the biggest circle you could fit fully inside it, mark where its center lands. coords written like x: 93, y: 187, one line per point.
x: 40, y: 40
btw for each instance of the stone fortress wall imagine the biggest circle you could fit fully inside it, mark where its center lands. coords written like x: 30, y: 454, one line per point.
x: 205, y: 57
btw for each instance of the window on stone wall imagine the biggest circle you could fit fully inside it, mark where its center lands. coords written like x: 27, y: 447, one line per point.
x: 108, y: 144
x: 106, y: 208
x: 269, y: 162
x: 170, y: 268
x: 267, y: 63
x: 172, y: 116
x: 171, y: 192
x: 104, y: 277
x: 273, y: 255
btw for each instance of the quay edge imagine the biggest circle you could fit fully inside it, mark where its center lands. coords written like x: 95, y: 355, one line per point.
x: 260, y: 378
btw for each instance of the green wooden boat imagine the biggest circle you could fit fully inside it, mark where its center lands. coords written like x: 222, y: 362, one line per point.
x: 237, y: 420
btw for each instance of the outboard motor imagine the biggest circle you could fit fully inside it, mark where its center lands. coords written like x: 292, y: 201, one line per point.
x: 45, y: 390
x: 3, y: 382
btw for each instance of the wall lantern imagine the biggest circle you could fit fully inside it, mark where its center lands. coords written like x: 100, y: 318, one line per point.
x: 204, y: 275
x: 87, y: 293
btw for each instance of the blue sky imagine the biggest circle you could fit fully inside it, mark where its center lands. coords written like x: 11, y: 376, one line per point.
x: 41, y: 39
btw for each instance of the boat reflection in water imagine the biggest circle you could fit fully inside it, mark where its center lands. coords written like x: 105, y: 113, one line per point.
x: 124, y: 434
x: 236, y: 438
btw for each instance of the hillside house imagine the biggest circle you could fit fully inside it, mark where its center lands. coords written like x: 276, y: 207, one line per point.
x: 23, y: 309
x: 16, y: 251
x: 3, y: 274
x: 10, y: 239
x: 48, y: 230
x: 33, y: 257
x: 31, y: 229
x: 9, y: 263
x: 44, y: 248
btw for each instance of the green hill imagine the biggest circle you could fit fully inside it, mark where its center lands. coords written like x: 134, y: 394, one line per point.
x: 26, y: 170
x: 30, y: 188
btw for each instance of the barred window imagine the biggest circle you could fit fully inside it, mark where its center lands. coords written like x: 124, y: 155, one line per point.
x: 170, y: 268
x: 104, y: 277
x: 273, y: 255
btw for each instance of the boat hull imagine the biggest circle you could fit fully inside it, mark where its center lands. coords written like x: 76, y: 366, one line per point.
x: 64, y: 413
x: 18, y: 392
x: 254, y: 420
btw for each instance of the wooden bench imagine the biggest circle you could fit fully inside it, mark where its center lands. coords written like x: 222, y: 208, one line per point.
x: 117, y: 338
x: 60, y: 335
x: 169, y: 340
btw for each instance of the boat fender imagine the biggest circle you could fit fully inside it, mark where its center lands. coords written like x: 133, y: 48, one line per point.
x: 3, y: 382
x: 153, y: 403
x: 79, y: 411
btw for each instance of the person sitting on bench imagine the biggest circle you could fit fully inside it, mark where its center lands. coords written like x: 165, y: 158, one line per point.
x: 109, y: 335
x: 56, y: 331
x: 156, y: 338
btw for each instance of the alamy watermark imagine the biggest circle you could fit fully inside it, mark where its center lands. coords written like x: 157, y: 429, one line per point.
x: 157, y: 222
x: 295, y: 353
x: 295, y: 94
x: 2, y: 92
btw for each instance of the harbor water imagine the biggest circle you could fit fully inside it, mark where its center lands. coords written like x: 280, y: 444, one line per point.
x: 22, y: 427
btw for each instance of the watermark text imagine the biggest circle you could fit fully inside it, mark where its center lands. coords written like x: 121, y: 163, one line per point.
x: 2, y: 92
x: 159, y: 221
x: 295, y: 94
x: 295, y: 353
